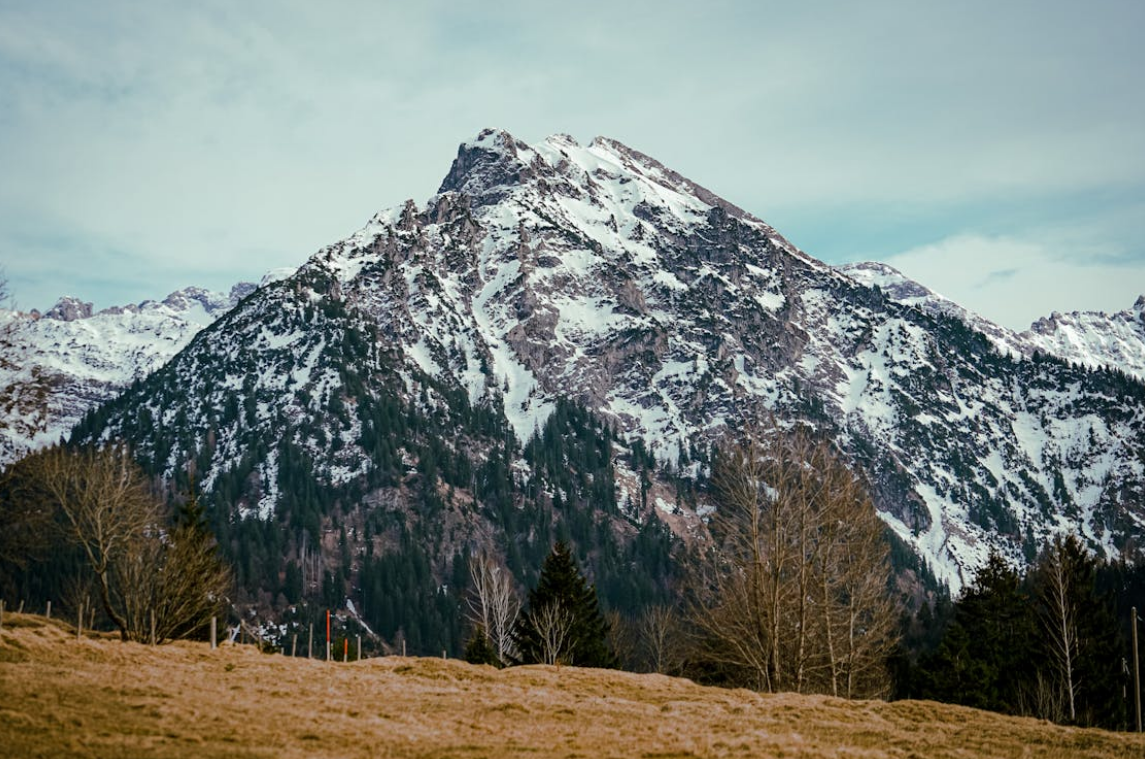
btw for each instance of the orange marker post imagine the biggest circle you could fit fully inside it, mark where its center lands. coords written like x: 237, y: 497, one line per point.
x: 345, y: 649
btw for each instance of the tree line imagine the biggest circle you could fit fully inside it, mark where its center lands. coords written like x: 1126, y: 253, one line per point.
x: 791, y: 592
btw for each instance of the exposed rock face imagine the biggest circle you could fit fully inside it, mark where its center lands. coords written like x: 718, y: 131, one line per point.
x: 597, y: 274
x: 68, y: 309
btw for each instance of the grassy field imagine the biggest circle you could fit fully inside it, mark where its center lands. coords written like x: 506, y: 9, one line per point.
x: 98, y: 697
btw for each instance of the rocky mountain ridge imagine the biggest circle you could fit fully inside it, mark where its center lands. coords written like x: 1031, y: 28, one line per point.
x: 1087, y: 338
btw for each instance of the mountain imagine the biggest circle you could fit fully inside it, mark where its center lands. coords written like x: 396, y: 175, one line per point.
x: 89, y: 358
x: 1087, y: 338
x: 425, y: 370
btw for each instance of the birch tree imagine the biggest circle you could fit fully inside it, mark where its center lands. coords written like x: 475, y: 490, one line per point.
x: 1057, y: 578
x: 494, y: 605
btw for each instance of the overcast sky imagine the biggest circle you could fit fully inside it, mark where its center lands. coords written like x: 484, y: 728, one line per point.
x: 993, y: 151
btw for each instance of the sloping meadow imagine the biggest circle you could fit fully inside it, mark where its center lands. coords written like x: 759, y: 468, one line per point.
x: 63, y: 696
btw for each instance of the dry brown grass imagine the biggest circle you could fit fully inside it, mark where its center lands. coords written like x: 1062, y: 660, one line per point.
x: 101, y: 698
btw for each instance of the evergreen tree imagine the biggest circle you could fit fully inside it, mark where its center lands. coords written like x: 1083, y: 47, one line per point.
x: 563, y: 620
x: 987, y: 653
x: 479, y: 651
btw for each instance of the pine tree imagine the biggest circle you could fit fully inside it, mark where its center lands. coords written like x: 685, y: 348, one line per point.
x: 563, y: 622
x: 986, y: 657
x: 479, y: 651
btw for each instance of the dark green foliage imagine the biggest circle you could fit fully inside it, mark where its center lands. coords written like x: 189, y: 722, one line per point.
x: 479, y: 651
x: 292, y: 585
x: 400, y: 599
x: 998, y: 650
x: 561, y: 583
x: 988, y: 650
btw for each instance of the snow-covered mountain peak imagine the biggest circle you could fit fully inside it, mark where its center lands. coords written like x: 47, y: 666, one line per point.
x: 891, y: 281
x: 495, y: 165
x: 558, y: 271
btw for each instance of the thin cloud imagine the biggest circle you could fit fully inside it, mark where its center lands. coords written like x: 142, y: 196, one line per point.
x: 1014, y: 282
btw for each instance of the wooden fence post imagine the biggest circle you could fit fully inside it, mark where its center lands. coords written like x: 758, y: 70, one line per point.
x: 214, y: 633
x: 359, y: 648
x: 91, y: 618
x: 21, y: 609
x: 327, y: 635
x: 48, y: 613
x: 310, y: 643
x: 403, y: 648
x: 79, y: 623
x: 293, y: 645
x: 153, y: 627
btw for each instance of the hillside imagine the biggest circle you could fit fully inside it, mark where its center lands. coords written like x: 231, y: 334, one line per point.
x: 102, y: 698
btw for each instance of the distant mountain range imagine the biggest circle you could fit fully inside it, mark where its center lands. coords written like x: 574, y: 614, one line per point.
x: 1089, y: 338
x: 555, y: 273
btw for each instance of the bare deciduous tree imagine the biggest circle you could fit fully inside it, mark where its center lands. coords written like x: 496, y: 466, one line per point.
x: 1058, y: 615
x: 661, y: 638
x: 177, y: 576
x: 141, y: 568
x: 107, y: 509
x: 554, y: 625
x: 494, y: 604
x: 794, y: 588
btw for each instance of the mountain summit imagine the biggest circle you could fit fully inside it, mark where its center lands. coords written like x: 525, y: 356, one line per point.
x: 552, y: 273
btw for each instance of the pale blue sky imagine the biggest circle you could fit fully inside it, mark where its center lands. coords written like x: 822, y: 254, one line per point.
x: 994, y: 151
